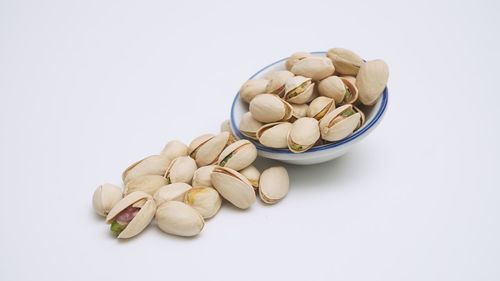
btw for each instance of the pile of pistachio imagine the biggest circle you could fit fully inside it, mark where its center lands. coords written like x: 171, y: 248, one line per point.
x: 184, y: 185
x: 314, y: 101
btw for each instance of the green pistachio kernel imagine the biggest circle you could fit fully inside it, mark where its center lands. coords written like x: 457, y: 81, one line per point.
x: 224, y: 161
x: 117, y: 228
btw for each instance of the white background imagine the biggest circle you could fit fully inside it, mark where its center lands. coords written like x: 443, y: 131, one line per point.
x: 88, y: 87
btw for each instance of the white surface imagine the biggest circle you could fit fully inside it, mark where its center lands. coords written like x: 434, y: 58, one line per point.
x: 87, y: 88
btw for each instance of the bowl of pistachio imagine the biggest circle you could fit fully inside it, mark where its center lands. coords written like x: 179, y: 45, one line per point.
x: 312, y: 107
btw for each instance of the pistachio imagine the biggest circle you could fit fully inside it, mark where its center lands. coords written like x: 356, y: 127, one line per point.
x: 299, y: 90
x: 201, y: 176
x: 351, y: 79
x: 146, y: 183
x: 180, y: 170
x: 208, y: 152
x: 299, y: 111
x: 105, y: 197
x: 371, y: 81
x: 249, y: 126
x: 320, y: 106
x: 178, y: 218
x: 131, y: 214
x: 252, y: 88
x: 277, y: 81
x: 171, y: 192
x: 351, y: 92
x: 274, y: 134
x: 346, y: 62
x: 226, y: 127
x: 197, y: 142
x: 269, y: 108
x: 361, y: 117
x: 295, y: 57
x: 274, y: 185
x: 234, y: 187
x: 152, y: 165
x: 333, y: 87
x: 316, y: 68
x: 205, y: 200
x: 238, y: 155
x: 252, y: 175
x: 174, y: 149
x: 339, y: 123
x: 303, y: 134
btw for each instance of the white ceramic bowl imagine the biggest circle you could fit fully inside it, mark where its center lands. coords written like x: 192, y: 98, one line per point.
x: 316, y: 154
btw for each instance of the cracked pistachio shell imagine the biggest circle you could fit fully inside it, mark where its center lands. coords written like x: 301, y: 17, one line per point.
x: 267, y: 108
x: 303, y: 134
x: 105, y: 197
x: 353, y: 90
x: 295, y: 57
x: 362, y: 118
x: 274, y: 135
x: 346, y: 62
x: 251, y: 88
x: 205, y: 200
x: 351, y: 79
x: 181, y: 170
x: 299, y: 110
x: 226, y: 127
x: 209, y: 151
x: 234, y: 187
x: 277, y: 81
x: 252, y: 175
x: 238, y: 155
x: 152, y: 165
x: 320, y: 106
x: 334, y: 127
x: 142, y: 218
x: 301, y: 84
x: 174, y: 149
x: 332, y: 87
x: 202, y: 176
x: 146, y: 183
x: 171, y: 192
x: 274, y: 185
x: 371, y: 81
x: 178, y: 218
x: 197, y: 142
x: 249, y: 126
x: 316, y: 68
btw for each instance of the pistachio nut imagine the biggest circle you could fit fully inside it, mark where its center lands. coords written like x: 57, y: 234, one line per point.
x: 208, y: 152
x: 252, y: 175
x: 299, y: 111
x: 333, y: 87
x: 269, y: 108
x: 171, y: 192
x: 320, y: 106
x: 295, y: 57
x: 274, y: 185
x: 298, y: 90
x: 303, y: 134
x: 238, y: 155
x: 146, y: 183
x: 197, y: 142
x: 251, y: 88
x: 226, y: 127
x: 274, y: 135
x: 362, y: 118
x: 152, y: 165
x: 205, y: 200
x: 201, y: 176
x: 346, y: 62
x: 352, y: 93
x: 180, y: 170
x: 249, y: 126
x: 178, y: 218
x: 131, y: 214
x: 174, y: 149
x: 316, y: 68
x: 339, y: 123
x: 371, y: 81
x: 351, y: 79
x: 277, y: 81
x: 105, y: 197
x: 234, y: 187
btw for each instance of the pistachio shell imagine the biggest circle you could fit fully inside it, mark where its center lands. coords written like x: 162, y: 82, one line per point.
x: 209, y: 151
x: 268, y: 108
x: 252, y: 175
x: 197, y: 142
x: 320, y: 106
x: 174, y: 149
x: 316, y: 68
x: 362, y: 117
x: 252, y: 88
x: 303, y: 134
x: 345, y: 61
x: 371, y: 81
x: 152, y: 165
x: 141, y: 220
x: 205, y: 200
x: 274, y: 185
x: 277, y: 81
x: 234, y: 187
x: 181, y: 170
x: 226, y: 127
x: 295, y: 57
x: 299, y: 110
x: 274, y: 134
x: 249, y: 126
x: 171, y: 192
x: 333, y: 129
x: 353, y: 95
x: 351, y: 79
x: 238, y: 155
x: 202, y: 176
x: 332, y: 87
x: 299, y: 90
x: 105, y: 197
x: 146, y: 183
x: 178, y: 218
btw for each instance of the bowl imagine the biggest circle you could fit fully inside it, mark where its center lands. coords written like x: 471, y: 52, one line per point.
x: 317, y: 154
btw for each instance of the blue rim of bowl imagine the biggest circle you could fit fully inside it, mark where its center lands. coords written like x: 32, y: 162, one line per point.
x: 375, y: 119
